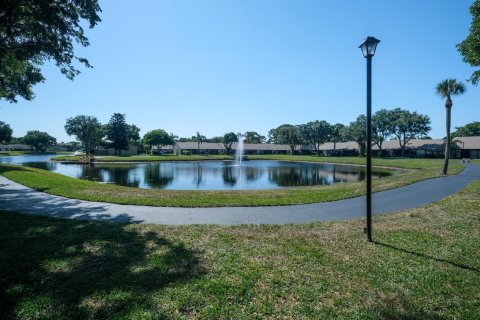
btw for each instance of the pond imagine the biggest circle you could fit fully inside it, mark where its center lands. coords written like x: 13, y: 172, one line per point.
x: 205, y: 175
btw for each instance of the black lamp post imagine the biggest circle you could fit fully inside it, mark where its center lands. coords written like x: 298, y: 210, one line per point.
x: 368, y: 49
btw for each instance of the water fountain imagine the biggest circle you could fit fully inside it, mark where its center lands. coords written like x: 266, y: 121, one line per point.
x: 239, y: 152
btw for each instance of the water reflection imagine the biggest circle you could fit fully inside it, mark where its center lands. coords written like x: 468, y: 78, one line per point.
x: 230, y: 175
x: 156, y: 176
x: 205, y: 175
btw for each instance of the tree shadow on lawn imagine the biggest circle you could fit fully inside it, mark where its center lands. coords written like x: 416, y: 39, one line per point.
x: 56, y: 268
x: 422, y: 255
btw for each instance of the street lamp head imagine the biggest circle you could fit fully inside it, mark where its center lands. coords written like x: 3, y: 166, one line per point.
x: 369, y: 46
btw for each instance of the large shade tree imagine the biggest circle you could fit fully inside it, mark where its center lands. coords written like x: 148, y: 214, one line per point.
x: 158, y: 138
x: 38, y: 140
x: 382, y: 127
x: 5, y: 133
x: 287, y: 134
x: 446, y: 89
x: 33, y: 32
x: 253, y: 137
x: 87, y: 130
x: 357, y: 131
x: 117, y: 132
x: 228, y: 140
x: 408, y: 125
x: 470, y: 47
x: 315, y: 133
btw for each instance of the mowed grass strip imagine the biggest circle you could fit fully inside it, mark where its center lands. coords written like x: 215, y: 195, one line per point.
x: 424, y: 264
x: 86, y: 190
x: 404, y: 163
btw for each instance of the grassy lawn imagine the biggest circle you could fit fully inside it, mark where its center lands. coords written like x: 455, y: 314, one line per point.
x: 405, y: 163
x: 425, y: 264
x: 144, y: 158
x: 22, y: 153
x: 87, y: 190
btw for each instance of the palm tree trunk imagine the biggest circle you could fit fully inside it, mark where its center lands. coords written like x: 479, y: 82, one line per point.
x: 448, y: 107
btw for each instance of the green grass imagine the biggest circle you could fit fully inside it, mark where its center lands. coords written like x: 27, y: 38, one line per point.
x: 82, y: 189
x: 425, y: 264
x: 405, y: 163
x: 13, y: 153
x: 22, y: 153
x: 144, y: 158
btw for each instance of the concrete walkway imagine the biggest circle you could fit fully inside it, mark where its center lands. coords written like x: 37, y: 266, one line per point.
x: 16, y: 197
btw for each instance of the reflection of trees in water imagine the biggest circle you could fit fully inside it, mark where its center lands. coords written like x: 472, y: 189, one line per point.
x: 229, y: 175
x: 298, y: 176
x: 232, y: 174
x: 157, y: 176
x: 117, y: 173
x: 198, y: 174
x: 312, y: 175
x: 90, y: 172
x: 252, y: 174
x: 49, y: 166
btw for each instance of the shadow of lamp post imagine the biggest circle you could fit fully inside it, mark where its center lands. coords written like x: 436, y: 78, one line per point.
x: 368, y: 49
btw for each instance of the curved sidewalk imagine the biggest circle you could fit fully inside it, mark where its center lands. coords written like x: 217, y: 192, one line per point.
x: 16, y: 197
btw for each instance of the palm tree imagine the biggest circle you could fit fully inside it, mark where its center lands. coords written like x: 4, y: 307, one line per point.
x: 199, y: 139
x: 446, y: 89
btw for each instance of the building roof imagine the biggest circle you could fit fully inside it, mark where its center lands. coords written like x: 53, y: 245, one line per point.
x: 431, y: 144
x: 469, y: 143
x: 349, y: 145
x: 15, y: 146
x: 202, y: 146
x: 220, y: 146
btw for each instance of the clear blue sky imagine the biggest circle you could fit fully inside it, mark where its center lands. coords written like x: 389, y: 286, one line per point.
x: 220, y: 66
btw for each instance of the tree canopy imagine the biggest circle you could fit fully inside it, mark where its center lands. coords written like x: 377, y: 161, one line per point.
x: 287, y: 134
x: 470, y: 47
x: 382, y: 127
x: 409, y: 125
x: 33, y: 32
x: 117, y: 132
x: 5, y: 133
x: 158, y: 138
x: 38, y: 140
x: 315, y: 133
x: 450, y: 87
x: 228, y: 140
x: 357, y: 131
x: 471, y: 129
x: 253, y: 137
x: 86, y: 129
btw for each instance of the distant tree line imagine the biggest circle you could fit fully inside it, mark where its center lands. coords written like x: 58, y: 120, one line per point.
x: 398, y: 124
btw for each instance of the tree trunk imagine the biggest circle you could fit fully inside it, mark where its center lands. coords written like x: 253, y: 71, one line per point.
x: 448, y: 107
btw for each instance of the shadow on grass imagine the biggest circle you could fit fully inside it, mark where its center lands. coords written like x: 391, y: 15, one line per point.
x: 422, y: 255
x: 54, y: 268
x: 402, y: 308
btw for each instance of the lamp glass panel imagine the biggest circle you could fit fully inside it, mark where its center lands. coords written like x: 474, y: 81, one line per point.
x: 364, y: 49
x: 372, y: 46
